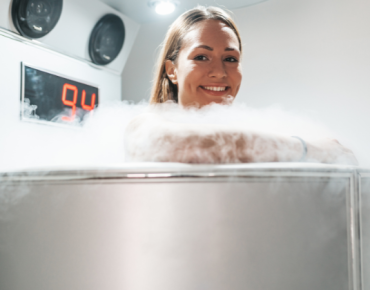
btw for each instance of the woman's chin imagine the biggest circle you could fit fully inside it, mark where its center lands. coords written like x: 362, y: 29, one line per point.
x: 204, y: 99
x: 220, y: 101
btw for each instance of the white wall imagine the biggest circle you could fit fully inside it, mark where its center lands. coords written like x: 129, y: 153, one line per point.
x: 310, y: 56
x: 139, y: 70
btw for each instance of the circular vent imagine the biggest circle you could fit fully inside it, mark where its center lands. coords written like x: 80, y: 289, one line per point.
x: 36, y: 18
x: 106, y: 39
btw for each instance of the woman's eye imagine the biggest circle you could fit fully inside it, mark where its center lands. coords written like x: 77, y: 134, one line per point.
x: 231, y: 59
x: 200, y: 57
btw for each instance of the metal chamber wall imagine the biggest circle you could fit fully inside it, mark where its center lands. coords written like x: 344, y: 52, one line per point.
x: 283, y: 226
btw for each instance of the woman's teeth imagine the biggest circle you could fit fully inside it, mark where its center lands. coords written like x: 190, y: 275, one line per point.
x: 217, y: 89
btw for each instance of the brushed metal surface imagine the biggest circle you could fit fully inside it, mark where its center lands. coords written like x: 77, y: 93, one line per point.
x: 364, y: 186
x: 245, y: 229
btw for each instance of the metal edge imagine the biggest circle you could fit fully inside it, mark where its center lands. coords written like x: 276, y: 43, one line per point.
x: 61, y: 75
x: 22, y: 91
x: 54, y: 124
x: 181, y: 180
x: 165, y: 175
x: 361, y: 176
x: 359, y: 198
x: 353, y: 221
x: 34, y: 43
x: 170, y: 168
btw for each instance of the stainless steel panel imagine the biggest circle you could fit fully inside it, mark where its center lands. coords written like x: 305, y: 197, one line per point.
x: 364, y: 186
x: 243, y: 229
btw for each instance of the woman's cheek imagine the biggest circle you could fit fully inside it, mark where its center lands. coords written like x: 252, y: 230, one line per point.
x: 240, y: 71
x: 238, y: 74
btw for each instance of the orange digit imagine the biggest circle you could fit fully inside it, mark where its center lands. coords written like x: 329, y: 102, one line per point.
x: 66, y: 102
x: 92, y: 105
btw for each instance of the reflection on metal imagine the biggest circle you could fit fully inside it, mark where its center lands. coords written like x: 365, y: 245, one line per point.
x: 271, y: 226
x: 364, y: 201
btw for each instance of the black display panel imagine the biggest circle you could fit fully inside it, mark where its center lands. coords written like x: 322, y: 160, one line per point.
x: 55, y: 98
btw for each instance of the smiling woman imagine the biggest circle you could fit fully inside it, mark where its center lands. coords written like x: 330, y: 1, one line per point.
x: 209, y: 61
x: 200, y: 65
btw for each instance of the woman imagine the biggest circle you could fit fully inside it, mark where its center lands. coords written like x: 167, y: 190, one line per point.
x: 200, y: 64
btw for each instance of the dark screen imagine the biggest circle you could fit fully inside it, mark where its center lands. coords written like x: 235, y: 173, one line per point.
x: 58, y: 99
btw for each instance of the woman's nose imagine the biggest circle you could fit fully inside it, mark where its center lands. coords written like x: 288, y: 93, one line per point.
x: 217, y: 70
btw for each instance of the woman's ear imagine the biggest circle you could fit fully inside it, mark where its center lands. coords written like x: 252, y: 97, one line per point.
x: 171, y: 71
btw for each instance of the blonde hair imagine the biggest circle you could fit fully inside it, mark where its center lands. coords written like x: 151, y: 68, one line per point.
x: 163, y: 89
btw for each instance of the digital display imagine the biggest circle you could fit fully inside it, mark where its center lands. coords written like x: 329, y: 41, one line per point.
x: 55, y: 98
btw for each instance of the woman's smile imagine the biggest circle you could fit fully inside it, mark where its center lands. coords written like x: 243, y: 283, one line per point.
x: 216, y: 90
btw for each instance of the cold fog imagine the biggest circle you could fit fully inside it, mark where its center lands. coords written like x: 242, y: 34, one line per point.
x: 100, y: 139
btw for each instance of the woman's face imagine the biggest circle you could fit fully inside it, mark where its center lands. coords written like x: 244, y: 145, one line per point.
x: 208, y: 67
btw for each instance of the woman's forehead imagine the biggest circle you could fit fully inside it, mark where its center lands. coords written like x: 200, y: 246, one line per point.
x: 210, y: 32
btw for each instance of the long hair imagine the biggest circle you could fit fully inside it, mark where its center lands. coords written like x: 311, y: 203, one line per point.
x: 163, y: 89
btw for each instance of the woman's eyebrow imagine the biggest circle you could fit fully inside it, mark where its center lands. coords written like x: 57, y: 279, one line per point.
x: 231, y: 49
x: 211, y: 49
x: 205, y: 47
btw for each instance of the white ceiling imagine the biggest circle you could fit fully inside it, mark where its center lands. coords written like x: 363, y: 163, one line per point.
x: 139, y: 10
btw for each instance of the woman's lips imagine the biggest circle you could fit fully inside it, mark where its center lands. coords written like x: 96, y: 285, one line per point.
x: 216, y: 93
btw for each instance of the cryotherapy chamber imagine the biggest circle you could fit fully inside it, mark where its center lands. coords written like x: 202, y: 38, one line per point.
x: 176, y: 226
x: 152, y: 226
